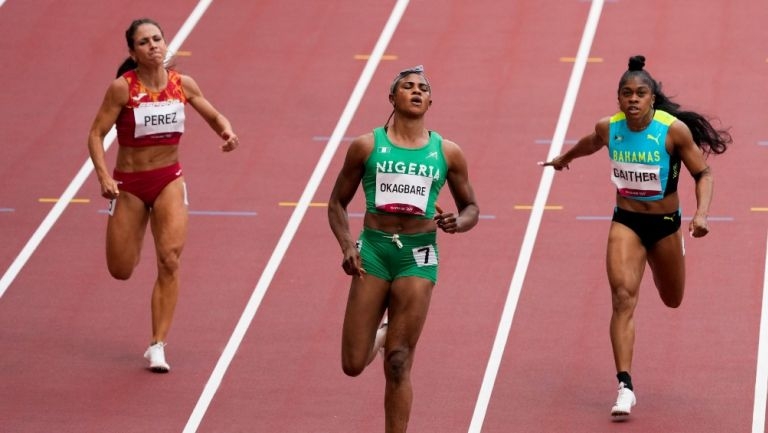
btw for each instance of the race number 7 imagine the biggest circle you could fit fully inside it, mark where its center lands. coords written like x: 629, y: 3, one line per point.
x: 425, y: 256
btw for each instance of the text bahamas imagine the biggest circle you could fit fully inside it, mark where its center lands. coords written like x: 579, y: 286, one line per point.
x: 631, y: 156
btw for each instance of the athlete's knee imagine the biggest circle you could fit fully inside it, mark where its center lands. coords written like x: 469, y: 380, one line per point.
x: 672, y: 298
x: 673, y: 303
x: 351, y: 367
x: 120, y: 273
x: 169, y: 261
x: 623, y: 300
x: 397, y: 363
x: 121, y: 270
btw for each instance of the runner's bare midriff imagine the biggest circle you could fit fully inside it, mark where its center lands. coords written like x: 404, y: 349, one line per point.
x: 132, y: 159
x: 396, y: 223
x: 668, y: 204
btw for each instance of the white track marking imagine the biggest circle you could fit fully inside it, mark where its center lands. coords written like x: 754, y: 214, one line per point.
x: 761, y: 376
x: 505, y: 324
x: 298, y: 214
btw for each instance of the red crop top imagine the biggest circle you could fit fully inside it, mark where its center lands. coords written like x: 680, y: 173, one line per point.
x: 152, y: 118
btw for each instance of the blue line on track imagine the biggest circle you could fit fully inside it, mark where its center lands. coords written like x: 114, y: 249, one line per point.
x: 326, y: 138
x: 222, y: 213
x: 549, y: 141
x: 210, y: 213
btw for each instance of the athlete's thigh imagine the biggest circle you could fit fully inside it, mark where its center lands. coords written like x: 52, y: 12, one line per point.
x: 366, y: 303
x: 625, y: 258
x: 126, y: 226
x: 408, y: 307
x: 667, y: 261
x: 169, y: 217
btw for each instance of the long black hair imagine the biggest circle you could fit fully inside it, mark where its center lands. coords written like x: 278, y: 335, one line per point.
x: 129, y: 63
x: 705, y: 135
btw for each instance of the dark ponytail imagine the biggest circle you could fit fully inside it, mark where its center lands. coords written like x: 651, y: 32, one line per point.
x: 128, y: 65
x: 705, y: 135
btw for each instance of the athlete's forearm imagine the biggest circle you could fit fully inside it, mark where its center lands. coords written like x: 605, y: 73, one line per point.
x: 468, y: 217
x: 704, y: 191
x: 339, y: 222
x: 584, y: 147
x: 96, y: 151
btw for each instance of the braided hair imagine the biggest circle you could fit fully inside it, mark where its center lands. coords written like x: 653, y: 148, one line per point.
x: 708, y: 138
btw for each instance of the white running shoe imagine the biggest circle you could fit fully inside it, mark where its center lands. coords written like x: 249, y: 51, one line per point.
x: 380, y: 339
x: 155, y: 354
x: 624, y: 402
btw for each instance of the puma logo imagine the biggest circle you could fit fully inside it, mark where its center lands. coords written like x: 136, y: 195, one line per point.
x: 669, y: 218
x: 654, y: 138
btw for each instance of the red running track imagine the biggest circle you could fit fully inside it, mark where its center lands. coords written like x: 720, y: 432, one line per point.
x: 72, y: 338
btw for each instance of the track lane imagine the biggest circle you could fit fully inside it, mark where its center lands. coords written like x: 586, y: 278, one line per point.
x: 311, y: 290
x: 68, y: 322
x: 297, y: 381
x: 678, y: 353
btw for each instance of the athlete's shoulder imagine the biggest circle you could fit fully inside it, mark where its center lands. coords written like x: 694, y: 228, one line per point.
x: 361, y: 146
x: 118, y: 91
x: 604, y: 125
x: 367, y: 138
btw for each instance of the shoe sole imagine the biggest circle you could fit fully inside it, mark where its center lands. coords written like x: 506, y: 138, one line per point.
x: 619, y: 415
x: 159, y: 369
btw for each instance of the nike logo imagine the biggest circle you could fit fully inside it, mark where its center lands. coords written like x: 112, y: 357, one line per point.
x: 178, y: 173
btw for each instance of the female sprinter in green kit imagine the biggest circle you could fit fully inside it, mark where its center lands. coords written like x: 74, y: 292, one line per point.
x: 394, y: 262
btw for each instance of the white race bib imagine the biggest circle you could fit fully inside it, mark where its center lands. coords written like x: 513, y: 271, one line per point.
x: 636, y: 180
x: 158, y: 118
x: 402, y: 193
x: 425, y: 256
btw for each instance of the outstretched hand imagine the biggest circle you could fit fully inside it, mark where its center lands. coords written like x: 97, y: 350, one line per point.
x: 557, y: 163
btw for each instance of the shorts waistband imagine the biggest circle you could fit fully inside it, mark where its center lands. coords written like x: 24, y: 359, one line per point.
x: 172, y: 167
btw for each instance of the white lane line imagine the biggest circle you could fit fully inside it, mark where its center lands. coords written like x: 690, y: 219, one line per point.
x: 761, y: 376
x: 77, y: 182
x: 298, y: 214
x: 534, y: 221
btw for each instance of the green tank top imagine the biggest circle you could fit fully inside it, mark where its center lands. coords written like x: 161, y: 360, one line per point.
x: 401, y: 180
